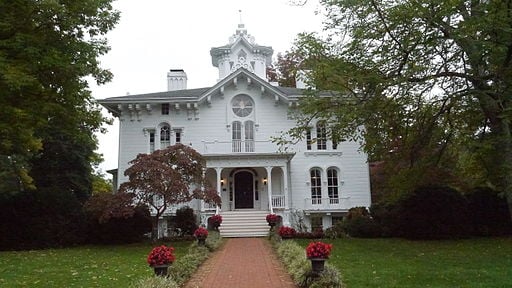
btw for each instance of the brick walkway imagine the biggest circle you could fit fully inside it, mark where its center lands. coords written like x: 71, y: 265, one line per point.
x: 242, y: 263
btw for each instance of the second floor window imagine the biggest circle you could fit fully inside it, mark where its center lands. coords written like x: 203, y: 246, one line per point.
x: 332, y: 184
x: 237, y: 136
x: 316, y: 186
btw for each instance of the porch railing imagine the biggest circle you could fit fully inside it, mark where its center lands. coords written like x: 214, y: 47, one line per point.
x: 207, y: 206
x: 278, y: 201
x: 238, y: 146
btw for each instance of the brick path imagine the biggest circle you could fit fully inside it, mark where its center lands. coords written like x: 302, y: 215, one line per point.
x: 242, y: 263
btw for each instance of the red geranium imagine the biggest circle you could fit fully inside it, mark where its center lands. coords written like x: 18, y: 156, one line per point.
x: 215, y: 220
x: 287, y: 232
x: 272, y: 218
x: 201, y: 233
x: 161, y: 255
x: 318, y: 250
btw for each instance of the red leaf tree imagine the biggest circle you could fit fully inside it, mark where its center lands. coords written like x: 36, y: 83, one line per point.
x: 167, y: 177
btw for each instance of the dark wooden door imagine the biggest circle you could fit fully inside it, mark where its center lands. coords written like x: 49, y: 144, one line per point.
x: 244, y: 190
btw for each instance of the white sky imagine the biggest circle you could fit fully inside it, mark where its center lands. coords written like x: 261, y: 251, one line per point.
x: 156, y: 35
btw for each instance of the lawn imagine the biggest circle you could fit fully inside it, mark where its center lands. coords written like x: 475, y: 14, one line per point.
x: 86, y: 266
x: 471, y: 263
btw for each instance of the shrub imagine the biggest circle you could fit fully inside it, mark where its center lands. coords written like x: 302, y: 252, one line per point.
x: 185, y: 221
x: 489, y: 212
x: 336, y: 231
x: 362, y: 227
x: 41, y: 219
x: 112, y: 219
x: 287, y: 232
x: 432, y: 212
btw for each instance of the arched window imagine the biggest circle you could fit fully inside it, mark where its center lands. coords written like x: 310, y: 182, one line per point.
x: 316, y: 186
x: 321, y: 136
x: 249, y: 136
x: 237, y: 136
x: 332, y: 185
x: 165, y: 136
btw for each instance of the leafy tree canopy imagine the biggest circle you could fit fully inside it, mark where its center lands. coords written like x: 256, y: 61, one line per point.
x: 46, y: 50
x: 427, y: 84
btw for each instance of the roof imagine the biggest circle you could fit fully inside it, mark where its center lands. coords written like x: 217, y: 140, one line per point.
x: 199, y: 95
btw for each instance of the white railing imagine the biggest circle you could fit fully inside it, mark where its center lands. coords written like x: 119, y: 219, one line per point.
x: 326, y: 203
x: 238, y: 146
x: 207, y: 206
x: 278, y: 201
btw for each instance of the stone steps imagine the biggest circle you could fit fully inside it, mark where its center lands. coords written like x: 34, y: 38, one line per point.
x: 244, y: 223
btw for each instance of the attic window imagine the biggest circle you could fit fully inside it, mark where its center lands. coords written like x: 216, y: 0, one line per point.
x: 165, y: 109
x: 242, y: 105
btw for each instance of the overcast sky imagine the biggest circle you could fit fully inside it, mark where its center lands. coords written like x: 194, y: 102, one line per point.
x: 156, y: 35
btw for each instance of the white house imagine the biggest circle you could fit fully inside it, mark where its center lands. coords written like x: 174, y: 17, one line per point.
x: 231, y: 124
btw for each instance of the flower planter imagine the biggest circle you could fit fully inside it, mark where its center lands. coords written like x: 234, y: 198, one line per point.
x: 160, y: 270
x: 201, y: 241
x: 317, y: 265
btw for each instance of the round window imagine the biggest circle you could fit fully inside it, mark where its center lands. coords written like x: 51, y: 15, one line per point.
x: 242, y: 105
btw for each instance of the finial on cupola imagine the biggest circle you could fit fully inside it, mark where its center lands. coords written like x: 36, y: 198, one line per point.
x: 241, y: 27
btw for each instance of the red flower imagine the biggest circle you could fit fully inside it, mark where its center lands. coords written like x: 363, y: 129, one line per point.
x: 161, y: 255
x: 215, y: 220
x: 287, y: 232
x: 272, y: 218
x: 201, y: 233
x: 318, y: 250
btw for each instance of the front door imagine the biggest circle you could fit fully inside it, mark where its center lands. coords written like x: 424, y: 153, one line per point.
x: 244, y: 190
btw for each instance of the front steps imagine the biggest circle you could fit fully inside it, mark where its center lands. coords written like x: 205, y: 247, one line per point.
x: 244, y: 223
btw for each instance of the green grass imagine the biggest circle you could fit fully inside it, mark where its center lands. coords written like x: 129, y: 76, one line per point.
x: 471, y: 263
x: 86, y: 266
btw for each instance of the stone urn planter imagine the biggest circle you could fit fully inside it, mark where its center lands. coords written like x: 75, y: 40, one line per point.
x: 161, y: 270
x: 317, y: 253
x: 317, y: 265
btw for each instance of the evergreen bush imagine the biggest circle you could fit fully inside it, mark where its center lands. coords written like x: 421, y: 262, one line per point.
x: 489, y: 212
x: 432, y: 212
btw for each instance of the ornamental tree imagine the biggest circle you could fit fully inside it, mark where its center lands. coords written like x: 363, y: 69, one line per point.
x: 168, y: 177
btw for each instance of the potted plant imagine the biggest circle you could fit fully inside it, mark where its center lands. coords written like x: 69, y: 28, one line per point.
x: 215, y: 221
x: 201, y: 233
x: 287, y: 232
x: 272, y: 220
x: 160, y: 258
x: 318, y: 252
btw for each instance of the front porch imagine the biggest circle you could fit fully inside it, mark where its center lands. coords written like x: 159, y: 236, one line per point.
x: 256, y: 181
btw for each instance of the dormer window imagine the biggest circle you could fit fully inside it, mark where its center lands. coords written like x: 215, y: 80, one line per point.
x: 242, y: 105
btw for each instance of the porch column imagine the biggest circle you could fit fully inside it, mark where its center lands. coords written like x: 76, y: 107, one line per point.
x: 219, y: 171
x: 269, y: 188
x: 285, y: 184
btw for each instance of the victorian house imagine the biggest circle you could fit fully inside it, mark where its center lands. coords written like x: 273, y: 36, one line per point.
x: 231, y: 123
